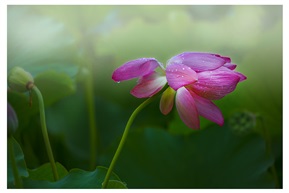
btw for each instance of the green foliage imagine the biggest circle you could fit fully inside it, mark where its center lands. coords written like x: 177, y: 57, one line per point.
x: 44, y: 172
x: 64, y: 122
x: 42, y: 177
x: 76, y: 178
x: 115, y: 184
x: 54, y: 86
x: 20, y: 162
x: 210, y: 158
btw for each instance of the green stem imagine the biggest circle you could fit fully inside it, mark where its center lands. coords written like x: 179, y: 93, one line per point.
x: 45, y: 133
x: 89, y: 51
x: 17, y: 179
x: 92, y: 123
x: 123, y: 139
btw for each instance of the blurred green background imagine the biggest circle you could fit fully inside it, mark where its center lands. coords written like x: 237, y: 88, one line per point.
x: 73, y: 50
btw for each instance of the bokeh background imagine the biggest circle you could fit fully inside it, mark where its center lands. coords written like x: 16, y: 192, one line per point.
x: 72, y: 51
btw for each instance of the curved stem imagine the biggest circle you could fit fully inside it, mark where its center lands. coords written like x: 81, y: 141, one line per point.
x: 123, y: 139
x: 17, y: 179
x: 45, y: 133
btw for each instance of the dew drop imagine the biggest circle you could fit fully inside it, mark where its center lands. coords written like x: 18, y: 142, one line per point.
x: 183, y: 68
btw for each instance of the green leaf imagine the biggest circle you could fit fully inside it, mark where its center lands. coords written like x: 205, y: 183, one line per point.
x: 115, y: 184
x: 54, y: 86
x: 44, y: 172
x: 76, y: 178
x: 20, y: 162
x: 63, y: 119
x: 209, y: 158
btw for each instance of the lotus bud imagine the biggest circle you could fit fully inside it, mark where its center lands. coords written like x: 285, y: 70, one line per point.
x: 20, y: 80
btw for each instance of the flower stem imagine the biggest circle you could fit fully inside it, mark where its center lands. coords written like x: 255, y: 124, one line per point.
x: 92, y: 123
x: 17, y: 179
x: 123, y: 139
x: 45, y: 133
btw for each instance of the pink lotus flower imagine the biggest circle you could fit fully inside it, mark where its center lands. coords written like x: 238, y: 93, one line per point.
x: 194, y: 78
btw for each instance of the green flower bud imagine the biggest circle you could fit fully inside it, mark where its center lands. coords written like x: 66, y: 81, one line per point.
x: 12, y: 120
x: 20, y: 80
